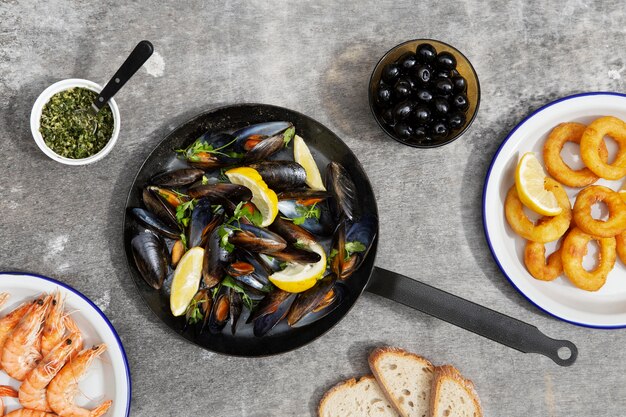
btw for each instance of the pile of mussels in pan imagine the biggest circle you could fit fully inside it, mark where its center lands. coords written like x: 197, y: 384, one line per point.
x: 197, y: 206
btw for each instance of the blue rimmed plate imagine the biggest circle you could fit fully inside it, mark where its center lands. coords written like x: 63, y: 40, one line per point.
x: 108, y: 377
x: 605, y: 308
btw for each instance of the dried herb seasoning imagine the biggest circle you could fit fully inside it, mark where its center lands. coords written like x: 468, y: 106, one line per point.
x: 69, y: 128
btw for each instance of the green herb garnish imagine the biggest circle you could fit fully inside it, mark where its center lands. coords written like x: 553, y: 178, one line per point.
x: 194, y: 314
x: 307, y: 212
x: 205, y: 180
x: 223, y: 233
x: 243, y: 210
x: 183, y: 238
x: 201, y: 146
x: 184, y: 210
x: 69, y: 128
x: 288, y: 135
x: 354, y: 247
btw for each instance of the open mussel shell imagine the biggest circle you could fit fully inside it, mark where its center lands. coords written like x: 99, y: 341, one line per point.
x: 150, y: 256
x: 303, y: 195
x: 342, y: 189
x: 177, y: 178
x: 257, y: 239
x: 281, y: 175
x: 259, y: 130
x: 215, y: 260
x: 266, y: 322
x: 301, y: 256
x: 201, y: 216
x: 291, y: 232
x: 159, y: 208
x: 236, y: 307
x: 213, y: 160
x: 269, y: 304
x: 221, y: 191
x: 363, y: 231
x: 339, y: 245
x: 220, y: 311
x: 332, y: 299
x: 204, y: 302
x: 152, y: 222
x: 258, y: 272
x: 264, y: 149
x: 321, y: 227
x: 308, y: 300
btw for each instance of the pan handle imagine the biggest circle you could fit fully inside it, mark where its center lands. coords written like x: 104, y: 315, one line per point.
x: 470, y: 316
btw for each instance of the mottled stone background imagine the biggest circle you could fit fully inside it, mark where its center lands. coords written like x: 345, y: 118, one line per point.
x: 314, y: 57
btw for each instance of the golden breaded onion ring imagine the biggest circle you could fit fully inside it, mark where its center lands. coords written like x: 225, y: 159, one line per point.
x: 547, y: 229
x: 574, y: 250
x: 620, y: 242
x: 590, y: 145
x: 569, y: 132
x: 614, y: 225
x: 535, y: 260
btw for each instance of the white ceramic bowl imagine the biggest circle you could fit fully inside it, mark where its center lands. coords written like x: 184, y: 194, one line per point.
x: 43, y: 98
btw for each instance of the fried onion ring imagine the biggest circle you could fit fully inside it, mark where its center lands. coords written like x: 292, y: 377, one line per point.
x: 569, y: 132
x: 535, y: 260
x: 547, y: 229
x: 574, y: 250
x: 620, y: 241
x: 590, y: 144
x: 614, y: 225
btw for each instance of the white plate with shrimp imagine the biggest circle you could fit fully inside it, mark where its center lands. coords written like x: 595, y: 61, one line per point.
x: 107, y: 377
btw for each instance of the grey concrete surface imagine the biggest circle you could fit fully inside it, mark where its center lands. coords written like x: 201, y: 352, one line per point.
x: 314, y: 57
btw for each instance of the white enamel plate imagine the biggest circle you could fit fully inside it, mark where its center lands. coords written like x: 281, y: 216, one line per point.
x: 108, y: 378
x: 605, y: 308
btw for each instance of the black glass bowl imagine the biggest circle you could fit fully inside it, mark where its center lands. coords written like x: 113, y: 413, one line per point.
x: 465, y: 69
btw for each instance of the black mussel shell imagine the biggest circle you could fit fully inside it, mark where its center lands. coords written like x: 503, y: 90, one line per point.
x: 215, y: 260
x: 236, y: 307
x: 152, y: 222
x: 177, y: 178
x: 200, y: 218
x: 257, y: 239
x: 291, y: 232
x: 308, y: 300
x: 159, y: 208
x: 342, y: 188
x: 265, y: 323
x: 221, y: 191
x: 281, y: 175
x: 150, y: 256
x: 297, y: 255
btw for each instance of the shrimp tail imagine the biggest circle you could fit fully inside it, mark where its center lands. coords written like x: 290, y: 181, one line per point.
x: 101, y: 409
x: 7, y: 391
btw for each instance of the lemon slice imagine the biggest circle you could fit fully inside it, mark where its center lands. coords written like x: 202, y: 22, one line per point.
x: 186, y: 280
x: 302, y: 155
x: 529, y: 181
x: 300, y: 277
x: 262, y: 197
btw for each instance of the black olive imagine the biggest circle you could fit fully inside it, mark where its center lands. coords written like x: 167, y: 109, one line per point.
x: 387, y: 116
x: 460, y: 102
x: 423, y: 73
x: 424, y: 95
x: 407, y: 61
x: 402, y: 89
x: 403, y: 130
x: 390, y: 73
x: 441, y: 106
x: 443, y: 86
x: 384, y: 95
x: 446, y: 60
x: 456, y: 120
x: 442, y: 73
x: 403, y: 110
x: 411, y: 80
x: 460, y: 84
x: 454, y: 73
x: 420, y: 131
x: 439, y: 130
x: 425, y: 53
x: 422, y: 114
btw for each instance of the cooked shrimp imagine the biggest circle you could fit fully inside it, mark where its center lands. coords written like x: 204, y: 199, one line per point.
x: 23, y: 412
x: 4, y: 296
x: 33, y: 390
x: 54, y: 325
x: 21, y: 354
x: 6, y: 391
x: 64, y: 386
x: 8, y: 322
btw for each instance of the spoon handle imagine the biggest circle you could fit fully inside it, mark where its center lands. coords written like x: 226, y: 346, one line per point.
x: 135, y: 60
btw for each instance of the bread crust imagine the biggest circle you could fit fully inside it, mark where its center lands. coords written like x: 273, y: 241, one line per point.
x: 377, y: 354
x: 444, y: 372
x: 347, y: 384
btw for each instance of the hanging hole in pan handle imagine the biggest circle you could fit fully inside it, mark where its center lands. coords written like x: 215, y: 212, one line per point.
x: 563, y: 353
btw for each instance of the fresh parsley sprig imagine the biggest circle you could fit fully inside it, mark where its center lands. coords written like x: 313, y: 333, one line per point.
x: 231, y: 283
x: 288, y: 135
x: 194, y: 314
x: 184, y: 210
x: 307, y: 212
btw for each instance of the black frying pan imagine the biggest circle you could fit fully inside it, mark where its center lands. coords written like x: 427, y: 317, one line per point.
x: 326, y: 146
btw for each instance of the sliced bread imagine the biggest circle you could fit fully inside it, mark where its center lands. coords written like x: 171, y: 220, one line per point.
x: 405, y: 378
x: 356, y: 399
x: 453, y: 395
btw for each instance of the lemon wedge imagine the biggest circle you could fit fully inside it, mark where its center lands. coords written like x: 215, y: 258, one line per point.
x: 300, y: 277
x: 262, y: 197
x: 529, y: 181
x: 302, y: 155
x: 186, y: 280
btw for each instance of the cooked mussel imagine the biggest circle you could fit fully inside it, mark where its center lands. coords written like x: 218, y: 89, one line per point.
x: 314, y: 215
x: 304, y: 196
x: 159, y: 208
x: 281, y: 175
x: 221, y: 191
x: 308, y: 300
x: 342, y: 188
x: 236, y: 307
x: 215, y: 260
x: 291, y: 232
x: 239, y: 268
x: 250, y: 270
x: 272, y: 311
x: 201, y: 217
x: 177, y: 252
x: 301, y: 256
x: 331, y: 300
x: 210, y: 151
x: 152, y: 222
x: 352, y: 243
x: 246, y: 136
x: 171, y: 197
x: 199, y: 308
x: 177, y: 178
x: 257, y: 239
x: 220, y: 312
x: 150, y: 256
